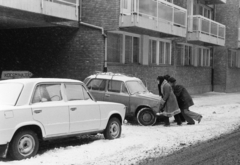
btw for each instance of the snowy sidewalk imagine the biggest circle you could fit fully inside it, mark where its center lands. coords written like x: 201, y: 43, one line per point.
x: 221, y: 114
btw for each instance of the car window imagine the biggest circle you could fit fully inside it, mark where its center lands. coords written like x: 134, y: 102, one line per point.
x: 124, y: 89
x: 85, y: 94
x: 10, y: 92
x: 136, y: 87
x: 97, y: 84
x: 76, y: 92
x: 117, y: 86
x: 47, y: 92
x: 86, y: 80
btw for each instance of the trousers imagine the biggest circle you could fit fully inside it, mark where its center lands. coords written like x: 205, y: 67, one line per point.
x: 191, y: 114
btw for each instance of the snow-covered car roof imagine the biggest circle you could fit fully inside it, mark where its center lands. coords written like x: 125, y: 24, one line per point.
x: 114, y: 76
x: 29, y: 85
x: 38, y: 80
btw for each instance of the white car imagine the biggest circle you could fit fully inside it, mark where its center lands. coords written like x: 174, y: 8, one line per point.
x: 32, y: 110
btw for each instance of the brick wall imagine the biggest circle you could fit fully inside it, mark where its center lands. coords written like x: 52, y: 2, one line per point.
x: 220, y: 66
x: 53, y: 52
x: 104, y: 13
x: 228, y: 14
x: 227, y: 79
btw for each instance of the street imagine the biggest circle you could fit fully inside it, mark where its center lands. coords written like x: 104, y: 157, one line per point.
x: 224, y: 150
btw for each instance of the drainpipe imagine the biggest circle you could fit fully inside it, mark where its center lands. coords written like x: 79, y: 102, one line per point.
x: 96, y: 27
x: 213, y: 52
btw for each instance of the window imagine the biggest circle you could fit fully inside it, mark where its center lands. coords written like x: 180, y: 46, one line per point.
x: 186, y: 55
x: 167, y: 53
x: 76, y: 92
x: 199, y: 56
x: 114, y: 48
x: 234, y: 58
x: 204, y: 10
x: 125, y: 4
x: 238, y: 59
x: 206, y: 57
x: 65, y: 2
x: 123, y: 48
x: 132, y: 46
x: 117, y: 86
x: 153, y: 51
x: 159, y: 51
x: 97, y: 84
x: 193, y: 55
x: 47, y: 92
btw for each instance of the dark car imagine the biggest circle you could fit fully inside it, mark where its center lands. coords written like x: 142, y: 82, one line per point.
x: 130, y: 91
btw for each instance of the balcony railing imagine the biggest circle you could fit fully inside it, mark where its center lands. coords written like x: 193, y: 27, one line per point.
x: 216, y: 1
x: 208, y: 29
x: 153, y: 14
x: 66, y: 9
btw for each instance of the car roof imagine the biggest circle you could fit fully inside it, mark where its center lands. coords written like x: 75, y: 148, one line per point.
x: 38, y: 80
x: 113, y: 76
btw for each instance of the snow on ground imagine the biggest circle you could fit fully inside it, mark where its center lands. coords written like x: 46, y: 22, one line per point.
x: 221, y: 114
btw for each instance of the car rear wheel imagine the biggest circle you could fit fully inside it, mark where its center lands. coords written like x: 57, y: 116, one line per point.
x: 113, y: 129
x: 24, y: 145
x: 146, y: 117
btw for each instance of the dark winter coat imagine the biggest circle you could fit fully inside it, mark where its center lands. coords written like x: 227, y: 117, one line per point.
x: 183, y: 97
x: 170, y: 107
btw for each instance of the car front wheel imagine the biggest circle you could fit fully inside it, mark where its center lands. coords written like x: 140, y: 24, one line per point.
x: 24, y: 145
x: 146, y: 117
x: 113, y: 129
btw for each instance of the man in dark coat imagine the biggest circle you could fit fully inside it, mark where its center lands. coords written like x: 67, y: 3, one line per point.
x: 184, y: 102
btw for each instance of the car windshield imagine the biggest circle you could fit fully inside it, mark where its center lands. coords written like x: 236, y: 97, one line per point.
x: 9, y: 93
x: 136, y: 87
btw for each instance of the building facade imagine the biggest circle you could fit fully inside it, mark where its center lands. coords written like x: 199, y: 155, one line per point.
x: 196, y: 41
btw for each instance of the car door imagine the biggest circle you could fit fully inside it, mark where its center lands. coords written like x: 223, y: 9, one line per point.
x: 49, y: 108
x: 97, y: 88
x: 117, y: 92
x: 84, y: 111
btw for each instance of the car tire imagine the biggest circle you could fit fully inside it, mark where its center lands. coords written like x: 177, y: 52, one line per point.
x: 146, y: 117
x: 24, y: 145
x: 113, y: 129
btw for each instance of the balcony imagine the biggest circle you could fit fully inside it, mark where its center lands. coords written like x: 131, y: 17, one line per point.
x: 207, y: 31
x: 64, y: 9
x: 211, y: 2
x: 156, y: 15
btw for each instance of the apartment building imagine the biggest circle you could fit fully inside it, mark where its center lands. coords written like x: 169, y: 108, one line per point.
x: 196, y: 41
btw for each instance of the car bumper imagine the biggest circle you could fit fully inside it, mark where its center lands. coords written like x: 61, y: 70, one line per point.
x: 3, y: 150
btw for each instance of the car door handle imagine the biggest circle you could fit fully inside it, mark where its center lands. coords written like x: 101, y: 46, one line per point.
x: 37, y: 111
x: 73, y: 109
x: 107, y: 95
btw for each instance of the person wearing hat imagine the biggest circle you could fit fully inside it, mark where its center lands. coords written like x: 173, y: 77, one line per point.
x: 184, y: 102
x: 166, y: 77
x: 168, y: 103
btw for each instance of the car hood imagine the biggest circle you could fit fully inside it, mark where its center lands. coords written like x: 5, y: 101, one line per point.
x: 149, y: 95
